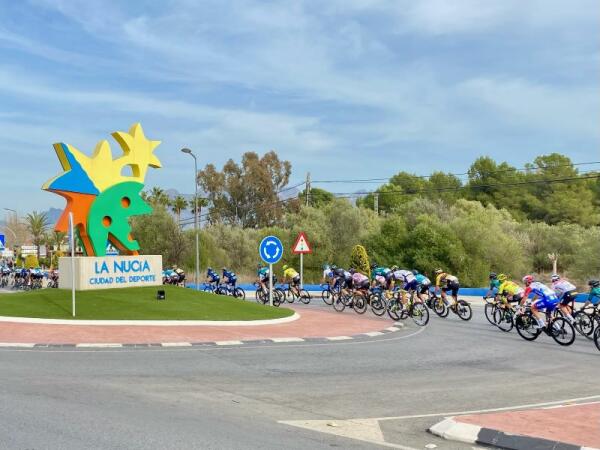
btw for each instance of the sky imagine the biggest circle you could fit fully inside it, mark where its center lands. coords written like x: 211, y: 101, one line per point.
x: 341, y: 88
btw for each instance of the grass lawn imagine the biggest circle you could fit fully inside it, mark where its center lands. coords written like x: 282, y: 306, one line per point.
x: 135, y: 304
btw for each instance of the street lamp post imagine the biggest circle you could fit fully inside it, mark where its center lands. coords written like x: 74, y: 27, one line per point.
x: 189, y: 152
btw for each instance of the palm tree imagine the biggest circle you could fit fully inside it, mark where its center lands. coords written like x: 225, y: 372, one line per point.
x: 202, y: 202
x: 37, y: 224
x: 178, y: 204
x: 157, y: 196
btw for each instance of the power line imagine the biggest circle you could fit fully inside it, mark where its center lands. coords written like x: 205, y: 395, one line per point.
x: 512, y: 169
x: 476, y: 186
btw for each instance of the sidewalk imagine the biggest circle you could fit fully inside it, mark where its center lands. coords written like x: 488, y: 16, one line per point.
x: 560, y: 427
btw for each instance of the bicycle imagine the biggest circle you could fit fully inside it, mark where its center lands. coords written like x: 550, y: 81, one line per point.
x: 557, y: 327
x: 377, y: 300
x: 504, y: 315
x: 417, y: 311
x: 491, y: 304
x: 356, y: 300
x: 461, y: 308
x: 228, y: 289
x: 597, y: 338
x: 326, y: 293
x: 292, y: 294
x: 262, y: 295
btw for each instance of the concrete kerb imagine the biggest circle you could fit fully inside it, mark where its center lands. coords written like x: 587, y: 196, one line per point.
x: 159, y: 323
x: 181, y: 345
x: 453, y: 430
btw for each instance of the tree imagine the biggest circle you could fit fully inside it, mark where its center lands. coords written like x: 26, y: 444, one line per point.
x: 359, y: 260
x: 178, y: 204
x: 157, y: 197
x: 317, y: 197
x: 37, y: 224
x: 246, y: 193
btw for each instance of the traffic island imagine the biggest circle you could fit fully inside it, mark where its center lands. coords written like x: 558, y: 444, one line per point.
x: 565, y: 427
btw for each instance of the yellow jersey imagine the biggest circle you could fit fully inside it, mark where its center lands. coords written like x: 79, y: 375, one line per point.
x: 445, y: 278
x: 290, y: 273
x: 509, y: 288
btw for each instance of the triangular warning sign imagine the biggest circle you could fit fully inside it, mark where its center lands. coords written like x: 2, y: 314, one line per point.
x: 301, y: 245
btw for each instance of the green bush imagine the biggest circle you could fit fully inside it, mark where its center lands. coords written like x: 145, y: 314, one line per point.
x: 360, y: 260
x: 31, y: 262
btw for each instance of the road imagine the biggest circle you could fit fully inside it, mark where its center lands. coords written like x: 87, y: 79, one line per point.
x: 293, y: 396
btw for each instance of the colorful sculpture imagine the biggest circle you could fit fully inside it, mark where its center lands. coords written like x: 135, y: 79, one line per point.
x: 101, y: 194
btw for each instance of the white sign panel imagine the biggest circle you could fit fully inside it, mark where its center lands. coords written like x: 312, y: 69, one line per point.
x: 111, y: 272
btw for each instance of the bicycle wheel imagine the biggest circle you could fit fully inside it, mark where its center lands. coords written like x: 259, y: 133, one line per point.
x: 420, y: 314
x: 338, y: 303
x: 326, y: 296
x: 378, y: 304
x: 393, y: 307
x: 239, y: 293
x: 260, y: 296
x: 584, y: 324
x: 464, y: 311
x: 597, y: 338
x: 503, y: 319
x: 440, y: 308
x: 360, y: 304
x: 304, y: 296
x: 490, y: 309
x: 562, y: 331
x: 525, y: 324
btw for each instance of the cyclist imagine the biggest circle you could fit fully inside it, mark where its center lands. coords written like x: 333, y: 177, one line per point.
x: 212, y: 277
x: 359, y: 280
x: 342, y: 279
x: 594, y: 293
x: 494, y: 285
x: 327, y: 274
x: 444, y: 282
x: 544, y: 298
x: 567, y: 292
x: 407, y: 279
x: 508, y: 290
x: 180, y: 274
x: 380, y: 276
x: 423, y: 284
x: 292, y: 277
x: 262, y: 273
x: 230, y: 278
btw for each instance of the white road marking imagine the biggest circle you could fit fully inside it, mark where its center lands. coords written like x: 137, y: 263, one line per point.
x: 374, y: 333
x: 229, y: 342
x: 287, y: 339
x: 16, y: 344
x: 392, y: 328
x: 366, y: 430
x: 338, y: 338
x: 99, y: 345
x: 176, y: 344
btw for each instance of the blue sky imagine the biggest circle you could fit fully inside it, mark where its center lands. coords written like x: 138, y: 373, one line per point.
x: 341, y: 88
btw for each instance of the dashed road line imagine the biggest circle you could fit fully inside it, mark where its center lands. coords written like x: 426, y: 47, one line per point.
x: 338, y: 338
x: 229, y: 343
x: 287, y: 339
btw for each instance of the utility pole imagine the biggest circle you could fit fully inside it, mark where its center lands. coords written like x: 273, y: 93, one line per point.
x: 307, y: 189
x: 376, y: 202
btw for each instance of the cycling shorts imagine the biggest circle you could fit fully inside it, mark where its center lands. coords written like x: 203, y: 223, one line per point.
x: 364, y: 284
x: 411, y: 286
x: 424, y: 288
x: 452, y: 287
x: 549, y: 303
x: 568, y: 297
x: 380, y: 280
x: 515, y: 298
x: 296, y: 280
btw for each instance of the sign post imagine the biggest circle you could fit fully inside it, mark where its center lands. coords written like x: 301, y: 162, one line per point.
x: 72, y: 244
x: 300, y: 248
x: 270, y: 251
x: 2, y: 242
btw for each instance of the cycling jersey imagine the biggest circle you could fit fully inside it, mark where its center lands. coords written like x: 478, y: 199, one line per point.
x: 494, y: 284
x: 380, y: 272
x: 540, y: 290
x: 510, y: 288
x: 561, y: 287
x: 359, y: 279
x: 422, y: 280
x: 327, y: 273
x: 446, y: 279
x: 214, y: 277
x: 594, y: 293
x: 405, y: 276
x: 290, y: 273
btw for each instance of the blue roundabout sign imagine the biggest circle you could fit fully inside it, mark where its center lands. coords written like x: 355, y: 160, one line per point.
x: 271, y: 249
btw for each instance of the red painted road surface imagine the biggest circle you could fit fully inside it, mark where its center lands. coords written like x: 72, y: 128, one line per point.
x: 571, y: 424
x: 312, y: 323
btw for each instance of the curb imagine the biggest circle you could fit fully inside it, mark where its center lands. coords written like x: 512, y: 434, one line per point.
x: 180, y: 345
x: 153, y: 323
x: 452, y: 430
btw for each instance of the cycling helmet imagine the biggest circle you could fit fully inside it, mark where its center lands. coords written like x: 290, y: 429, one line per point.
x: 285, y: 267
x: 333, y: 267
x: 325, y: 266
x: 493, y: 275
x: 352, y: 270
x: 415, y: 272
x: 373, y: 265
x: 594, y: 283
x: 209, y: 270
x: 501, y: 278
x: 528, y: 279
x: 394, y: 268
x: 438, y: 271
x: 555, y: 277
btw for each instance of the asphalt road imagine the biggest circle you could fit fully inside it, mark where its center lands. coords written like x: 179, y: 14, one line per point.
x: 237, y: 398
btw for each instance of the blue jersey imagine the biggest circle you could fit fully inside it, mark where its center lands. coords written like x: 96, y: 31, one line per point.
x: 263, y: 272
x: 422, y: 279
x: 214, y: 277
